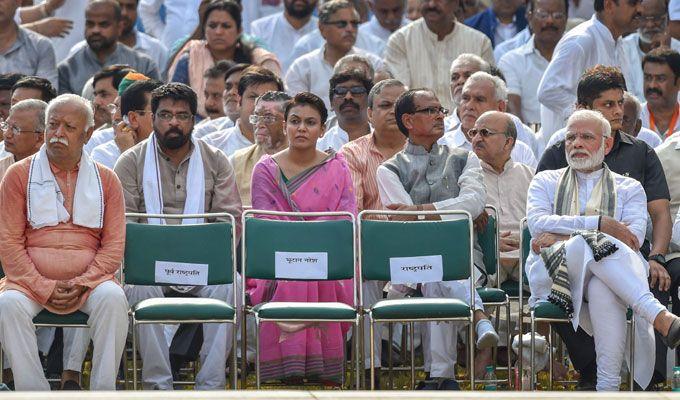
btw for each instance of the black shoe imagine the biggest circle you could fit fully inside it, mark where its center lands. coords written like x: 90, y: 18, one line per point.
x: 586, y: 385
x: 367, y: 379
x: 427, y: 385
x: 448, y: 384
x: 70, y: 385
x: 672, y: 340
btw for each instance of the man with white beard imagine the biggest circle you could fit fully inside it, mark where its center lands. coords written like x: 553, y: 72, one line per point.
x: 587, y: 223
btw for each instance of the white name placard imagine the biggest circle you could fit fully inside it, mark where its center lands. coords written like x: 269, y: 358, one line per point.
x: 179, y: 273
x: 300, y: 265
x: 420, y: 269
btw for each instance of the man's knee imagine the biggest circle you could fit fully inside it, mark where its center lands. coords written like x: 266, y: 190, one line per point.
x: 111, y: 296
x: 12, y: 306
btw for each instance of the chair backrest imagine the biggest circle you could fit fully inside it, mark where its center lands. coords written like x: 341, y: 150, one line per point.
x: 488, y: 241
x: 195, y: 254
x: 300, y: 250
x: 382, y: 243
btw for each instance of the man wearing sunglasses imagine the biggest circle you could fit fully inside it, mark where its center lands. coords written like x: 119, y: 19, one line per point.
x: 349, y: 100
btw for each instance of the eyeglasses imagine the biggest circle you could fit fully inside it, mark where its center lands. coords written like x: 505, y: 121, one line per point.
x: 658, y: 18
x: 5, y: 127
x: 540, y: 14
x: 343, y: 24
x: 485, y: 133
x: 168, y: 116
x: 265, y: 119
x: 432, y: 111
x: 355, y: 90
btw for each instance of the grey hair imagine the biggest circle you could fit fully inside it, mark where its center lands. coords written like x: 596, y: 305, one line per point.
x: 469, y: 58
x: 327, y: 9
x: 282, y: 98
x: 74, y: 99
x: 380, y: 86
x: 34, y: 105
x: 500, y: 90
x: 628, y: 96
x: 342, y: 63
x: 591, y: 116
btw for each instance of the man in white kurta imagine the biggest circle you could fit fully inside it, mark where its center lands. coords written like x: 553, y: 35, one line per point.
x: 601, y: 291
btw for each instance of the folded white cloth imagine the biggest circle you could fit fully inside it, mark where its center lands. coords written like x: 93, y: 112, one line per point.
x: 153, y: 193
x: 45, y: 201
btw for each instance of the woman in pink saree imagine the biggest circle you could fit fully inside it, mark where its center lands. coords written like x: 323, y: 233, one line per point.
x: 304, y: 179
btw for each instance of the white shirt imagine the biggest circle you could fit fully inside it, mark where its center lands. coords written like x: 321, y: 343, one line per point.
x: 504, y: 32
x: 278, y: 34
x: 4, y: 153
x: 646, y: 122
x: 311, y: 73
x: 373, y: 27
x: 523, y: 68
x: 106, y: 154
x: 521, y: 153
x: 100, y: 136
x: 471, y: 197
x: 584, y: 10
x: 228, y: 140
x: 207, y: 127
x: 334, y: 138
x: 585, y: 46
x: 519, y: 39
x: 633, y: 57
x: 451, y: 121
x: 256, y: 9
x: 646, y: 135
x: 674, y: 10
x: 74, y: 11
x: 313, y: 41
x: 181, y: 18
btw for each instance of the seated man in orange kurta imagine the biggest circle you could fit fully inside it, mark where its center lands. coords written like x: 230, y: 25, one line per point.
x: 62, y: 234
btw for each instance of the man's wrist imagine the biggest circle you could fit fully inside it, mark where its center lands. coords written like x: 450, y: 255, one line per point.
x: 658, y: 258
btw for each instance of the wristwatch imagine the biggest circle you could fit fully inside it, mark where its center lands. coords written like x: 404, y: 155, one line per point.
x: 658, y: 258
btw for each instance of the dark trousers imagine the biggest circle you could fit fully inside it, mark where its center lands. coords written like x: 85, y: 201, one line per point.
x: 581, y: 346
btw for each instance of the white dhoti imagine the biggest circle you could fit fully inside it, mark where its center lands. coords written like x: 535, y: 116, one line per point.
x: 609, y: 287
x: 155, y: 351
x: 108, y: 321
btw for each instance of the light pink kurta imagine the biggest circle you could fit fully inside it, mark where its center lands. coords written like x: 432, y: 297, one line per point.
x: 35, y: 259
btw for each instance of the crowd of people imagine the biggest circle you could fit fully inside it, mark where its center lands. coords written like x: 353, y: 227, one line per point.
x: 563, y: 112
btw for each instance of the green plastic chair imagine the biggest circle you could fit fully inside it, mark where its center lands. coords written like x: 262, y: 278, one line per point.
x: 263, y: 238
x: 212, y: 244
x: 548, y: 312
x: 495, y: 296
x: 381, y: 240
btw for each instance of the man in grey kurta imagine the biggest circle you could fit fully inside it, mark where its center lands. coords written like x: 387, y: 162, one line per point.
x: 426, y: 176
x: 102, y: 21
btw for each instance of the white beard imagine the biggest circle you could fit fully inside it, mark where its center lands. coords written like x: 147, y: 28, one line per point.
x: 587, y: 164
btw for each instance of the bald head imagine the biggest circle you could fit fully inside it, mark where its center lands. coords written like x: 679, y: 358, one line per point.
x: 493, y: 138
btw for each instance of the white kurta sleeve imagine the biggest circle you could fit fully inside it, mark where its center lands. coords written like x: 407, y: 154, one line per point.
x: 297, y: 79
x: 390, y: 188
x: 396, y: 59
x: 557, y: 90
x: 540, y: 215
x: 634, y: 208
x: 472, y: 195
x: 148, y: 11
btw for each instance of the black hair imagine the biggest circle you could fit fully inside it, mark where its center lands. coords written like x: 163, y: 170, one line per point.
x: 234, y: 69
x: 597, y: 80
x: 218, y: 70
x: 244, y: 49
x: 115, y: 71
x: 664, y: 55
x: 117, y: 13
x: 175, y: 91
x: 47, y: 91
x: 255, y: 75
x: 349, y: 75
x: 10, y: 79
x: 406, y: 105
x: 133, y: 97
x: 307, y: 99
x: 531, y: 6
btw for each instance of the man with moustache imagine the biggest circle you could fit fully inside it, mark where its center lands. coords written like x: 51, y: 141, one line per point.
x: 270, y: 138
x: 254, y: 82
x: 481, y: 93
x: 522, y: 66
x: 173, y: 173
x: 282, y: 30
x: 388, y: 16
x: 651, y: 34
x: 338, y: 24
x: 63, y: 235
x: 213, y: 88
x: 661, y: 112
x: 363, y: 156
x: 587, y: 224
x: 597, y: 41
x: 421, y: 53
x: 103, y: 23
x: 461, y: 69
x: 349, y: 95
x: 601, y: 89
x: 105, y: 84
x: 426, y: 176
x: 230, y: 104
x: 501, y: 21
x: 140, y: 41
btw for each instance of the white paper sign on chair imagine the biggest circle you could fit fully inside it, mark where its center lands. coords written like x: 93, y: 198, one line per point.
x: 420, y: 269
x: 179, y: 273
x: 300, y: 265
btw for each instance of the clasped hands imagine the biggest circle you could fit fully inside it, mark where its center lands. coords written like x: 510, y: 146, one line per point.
x: 65, y: 295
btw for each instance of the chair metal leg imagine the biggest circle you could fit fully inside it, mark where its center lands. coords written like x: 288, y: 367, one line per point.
x: 244, y: 350
x: 372, y: 352
x: 520, y: 349
x: 471, y: 350
x: 234, y: 363
x: 390, y: 375
x: 413, y: 358
x: 533, y: 350
x: 632, y: 353
x: 134, y: 353
x: 358, y: 370
x: 508, y: 344
x: 257, y: 352
x: 550, y: 357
